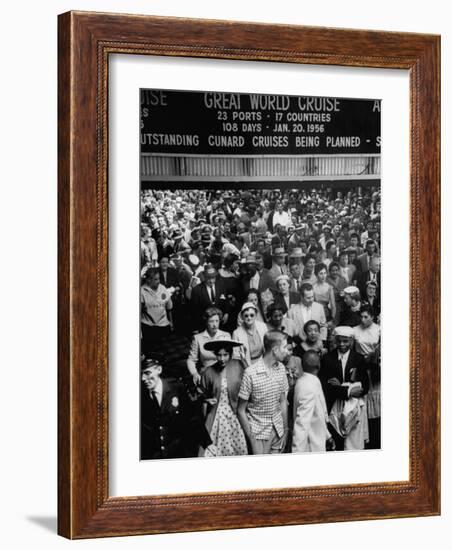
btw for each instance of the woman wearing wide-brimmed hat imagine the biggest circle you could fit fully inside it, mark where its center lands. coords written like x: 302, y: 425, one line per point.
x: 221, y: 384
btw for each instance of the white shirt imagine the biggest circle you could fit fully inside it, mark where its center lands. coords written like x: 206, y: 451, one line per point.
x: 281, y: 219
x: 211, y: 293
x: 295, y: 284
x: 306, y: 313
x: 287, y: 300
x: 254, y: 281
x: 345, y: 273
x: 343, y: 358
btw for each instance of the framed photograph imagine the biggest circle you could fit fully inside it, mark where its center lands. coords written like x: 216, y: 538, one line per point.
x: 248, y: 275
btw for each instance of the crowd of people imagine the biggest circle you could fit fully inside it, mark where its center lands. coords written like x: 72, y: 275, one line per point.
x: 279, y: 293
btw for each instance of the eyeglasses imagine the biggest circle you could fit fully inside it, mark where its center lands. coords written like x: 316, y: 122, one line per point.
x: 249, y: 315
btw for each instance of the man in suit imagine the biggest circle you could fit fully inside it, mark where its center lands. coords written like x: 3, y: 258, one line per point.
x: 265, y: 280
x: 279, y: 266
x: 372, y: 274
x: 171, y: 427
x: 371, y: 250
x: 310, y: 429
x: 257, y: 276
x: 308, y: 310
x: 344, y: 377
x: 209, y: 293
x: 295, y: 277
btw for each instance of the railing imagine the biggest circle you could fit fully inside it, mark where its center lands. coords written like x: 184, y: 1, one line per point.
x: 211, y: 168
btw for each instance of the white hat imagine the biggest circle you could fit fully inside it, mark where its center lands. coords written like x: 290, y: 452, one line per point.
x: 193, y: 259
x: 351, y: 290
x: 347, y: 332
x: 282, y: 278
x: 247, y: 305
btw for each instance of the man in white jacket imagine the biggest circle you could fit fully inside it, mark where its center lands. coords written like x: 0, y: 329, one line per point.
x: 310, y: 431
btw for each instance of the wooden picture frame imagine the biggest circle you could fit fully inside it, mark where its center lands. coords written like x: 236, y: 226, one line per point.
x: 86, y: 40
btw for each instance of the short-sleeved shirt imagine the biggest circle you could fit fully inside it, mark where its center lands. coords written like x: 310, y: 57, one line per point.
x: 262, y: 388
x: 154, y: 305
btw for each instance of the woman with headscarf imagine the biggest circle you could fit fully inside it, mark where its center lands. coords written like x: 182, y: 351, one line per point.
x: 250, y: 334
x: 254, y: 297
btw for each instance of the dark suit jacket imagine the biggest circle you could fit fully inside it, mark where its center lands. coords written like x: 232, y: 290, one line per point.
x: 363, y: 260
x: 279, y: 301
x: 173, y: 429
x: 266, y: 256
x: 200, y: 301
x: 349, y: 318
x: 355, y: 371
x: 172, y: 277
x: 265, y: 281
x: 363, y: 278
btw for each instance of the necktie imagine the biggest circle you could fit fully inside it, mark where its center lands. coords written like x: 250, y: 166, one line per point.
x: 212, y: 295
x: 155, y: 399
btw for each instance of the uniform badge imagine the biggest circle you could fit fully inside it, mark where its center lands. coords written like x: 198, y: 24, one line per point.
x: 175, y: 402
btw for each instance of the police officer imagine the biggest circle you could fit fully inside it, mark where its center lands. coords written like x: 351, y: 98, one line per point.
x: 170, y: 425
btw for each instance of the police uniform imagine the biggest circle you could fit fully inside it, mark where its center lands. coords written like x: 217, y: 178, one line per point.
x: 170, y: 424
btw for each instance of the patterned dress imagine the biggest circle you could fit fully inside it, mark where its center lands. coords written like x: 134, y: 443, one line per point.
x: 227, y: 434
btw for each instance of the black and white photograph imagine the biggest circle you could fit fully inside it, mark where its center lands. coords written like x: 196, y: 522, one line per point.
x: 260, y: 283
